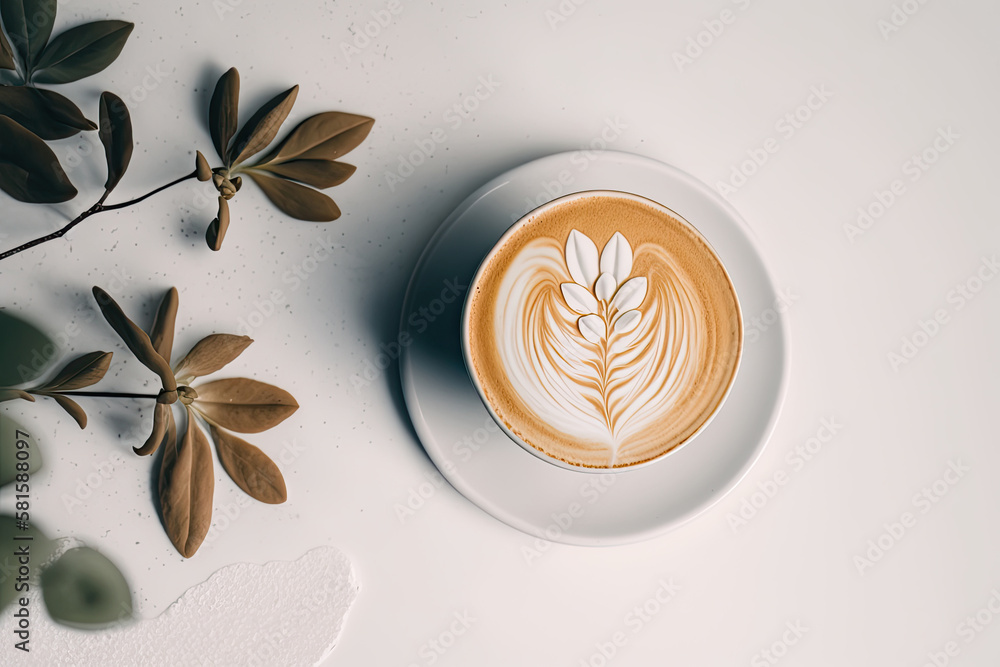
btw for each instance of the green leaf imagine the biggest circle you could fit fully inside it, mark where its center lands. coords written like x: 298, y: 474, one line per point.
x: 135, y: 339
x: 262, y: 127
x: 116, y: 135
x: 83, y: 588
x: 79, y: 373
x: 223, y: 111
x: 297, y: 200
x: 317, y: 173
x: 325, y: 136
x: 29, y: 170
x: 49, y: 115
x: 41, y: 550
x: 26, y: 351
x: 82, y: 51
x: 15, y: 438
x: 6, y: 53
x: 29, y: 24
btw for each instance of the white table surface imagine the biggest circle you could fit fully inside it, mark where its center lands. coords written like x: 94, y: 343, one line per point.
x: 350, y: 457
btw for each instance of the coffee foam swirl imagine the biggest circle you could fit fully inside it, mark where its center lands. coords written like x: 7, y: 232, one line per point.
x: 610, y: 358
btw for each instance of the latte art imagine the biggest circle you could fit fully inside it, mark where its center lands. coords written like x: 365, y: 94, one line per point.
x: 603, y: 331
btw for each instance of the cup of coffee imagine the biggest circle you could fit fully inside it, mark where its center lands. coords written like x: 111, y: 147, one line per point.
x: 602, y: 331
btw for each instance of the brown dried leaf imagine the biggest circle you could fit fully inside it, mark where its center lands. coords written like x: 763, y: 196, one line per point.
x: 317, y: 173
x: 6, y: 53
x: 325, y: 136
x: 11, y: 394
x: 296, y: 200
x: 251, y: 469
x: 244, y: 405
x: 161, y: 334
x: 262, y: 127
x: 201, y: 167
x: 135, y: 339
x: 71, y: 407
x: 187, y: 482
x: 223, y: 112
x: 212, y: 353
x: 79, y: 373
x: 164, y: 430
x: 216, y: 232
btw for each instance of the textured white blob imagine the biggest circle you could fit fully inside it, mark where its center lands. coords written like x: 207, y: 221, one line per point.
x: 581, y: 259
x: 579, y: 299
x: 630, y: 295
x: 627, y: 321
x: 280, y: 613
x: 592, y: 327
x: 606, y: 286
x: 616, y: 258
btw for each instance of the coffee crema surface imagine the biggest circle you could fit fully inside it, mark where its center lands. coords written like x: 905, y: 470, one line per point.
x: 604, y: 331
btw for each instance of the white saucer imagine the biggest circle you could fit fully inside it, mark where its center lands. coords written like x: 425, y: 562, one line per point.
x: 522, y: 490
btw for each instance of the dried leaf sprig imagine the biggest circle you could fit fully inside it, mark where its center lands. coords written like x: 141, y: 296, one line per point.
x: 241, y: 405
x: 290, y: 175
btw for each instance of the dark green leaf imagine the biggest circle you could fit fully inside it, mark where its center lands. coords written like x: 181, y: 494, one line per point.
x: 71, y: 407
x: 317, y: 173
x: 216, y: 232
x: 251, y: 469
x: 223, y: 111
x: 325, y: 136
x: 79, y: 373
x: 29, y: 170
x: 6, y: 53
x: 85, y: 589
x: 263, y: 127
x: 29, y: 24
x: 116, y: 135
x: 135, y: 339
x: 49, y: 115
x: 15, y: 438
x: 297, y: 200
x: 161, y: 334
x: 41, y: 551
x: 26, y: 351
x: 82, y: 51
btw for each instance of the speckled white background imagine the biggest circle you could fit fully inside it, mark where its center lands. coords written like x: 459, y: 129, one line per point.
x: 350, y: 456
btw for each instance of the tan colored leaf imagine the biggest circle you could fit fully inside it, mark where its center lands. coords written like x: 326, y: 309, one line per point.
x: 251, y: 469
x: 187, y: 482
x: 244, y: 405
x: 71, y: 407
x: 161, y: 334
x: 317, y: 173
x: 223, y: 112
x: 211, y: 354
x: 201, y: 167
x: 297, y: 200
x: 262, y: 127
x: 325, y: 136
x: 216, y: 232
x: 11, y: 394
x: 164, y: 430
x: 135, y: 339
x: 79, y: 373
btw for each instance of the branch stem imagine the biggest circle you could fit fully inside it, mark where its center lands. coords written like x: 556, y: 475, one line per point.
x: 105, y: 394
